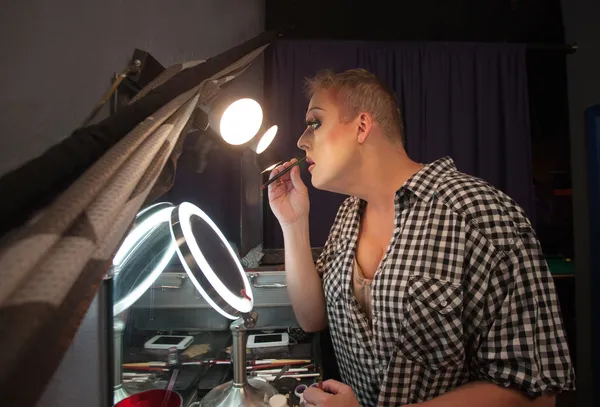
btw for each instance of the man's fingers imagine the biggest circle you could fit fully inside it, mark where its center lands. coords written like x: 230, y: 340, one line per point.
x: 281, y: 167
x: 315, y: 396
x: 335, y: 387
x: 275, y: 171
x: 297, y: 179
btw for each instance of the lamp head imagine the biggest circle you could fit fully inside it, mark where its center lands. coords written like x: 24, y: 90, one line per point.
x: 266, y: 158
x: 266, y: 138
x: 237, y: 121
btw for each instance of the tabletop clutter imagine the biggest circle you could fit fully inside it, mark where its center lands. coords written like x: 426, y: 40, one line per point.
x: 291, y: 373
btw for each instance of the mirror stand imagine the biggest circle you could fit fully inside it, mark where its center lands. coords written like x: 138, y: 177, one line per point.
x: 119, y: 390
x: 241, y: 391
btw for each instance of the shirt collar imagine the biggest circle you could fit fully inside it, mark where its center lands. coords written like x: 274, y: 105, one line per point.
x: 425, y: 182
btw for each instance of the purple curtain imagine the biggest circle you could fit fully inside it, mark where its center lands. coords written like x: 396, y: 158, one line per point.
x: 463, y: 100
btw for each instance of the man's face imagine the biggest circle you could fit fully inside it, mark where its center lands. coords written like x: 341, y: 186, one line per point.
x: 330, y: 145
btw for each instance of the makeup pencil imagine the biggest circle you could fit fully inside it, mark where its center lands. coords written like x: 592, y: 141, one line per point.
x: 288, y: 169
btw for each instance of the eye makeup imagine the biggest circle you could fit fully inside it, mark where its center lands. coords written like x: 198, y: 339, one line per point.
x: 313, y: 123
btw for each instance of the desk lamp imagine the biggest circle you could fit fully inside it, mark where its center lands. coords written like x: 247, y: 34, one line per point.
x: 216, y: 272
x: 265, y: 159
x: 242, y: 124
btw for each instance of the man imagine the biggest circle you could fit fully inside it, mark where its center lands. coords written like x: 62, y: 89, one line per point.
x: 432, y: 282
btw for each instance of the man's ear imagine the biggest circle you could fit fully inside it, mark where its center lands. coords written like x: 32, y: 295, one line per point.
x: 365, y: 125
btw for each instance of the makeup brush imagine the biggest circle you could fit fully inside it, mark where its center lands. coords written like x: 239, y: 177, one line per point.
x: 288, y: 169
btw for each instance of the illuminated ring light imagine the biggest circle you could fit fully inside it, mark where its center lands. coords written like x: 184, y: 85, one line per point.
x: 206, y: 281
x: 149, y: 210
x: 134, y: 240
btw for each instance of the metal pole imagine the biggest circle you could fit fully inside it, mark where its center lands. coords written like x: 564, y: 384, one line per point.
x: 106, y: 329
x: 119, y: 391
x: 238, y: 331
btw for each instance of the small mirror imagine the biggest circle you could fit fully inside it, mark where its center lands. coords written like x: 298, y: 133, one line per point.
x: 143, y: 255
x: 210, y: 262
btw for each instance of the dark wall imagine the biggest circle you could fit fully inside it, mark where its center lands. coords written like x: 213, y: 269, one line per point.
x: 424, y: 20
x: 582, y: 24
x: 58, y: 57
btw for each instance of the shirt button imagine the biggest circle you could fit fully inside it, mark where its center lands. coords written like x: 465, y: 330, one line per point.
x: 443, y: 303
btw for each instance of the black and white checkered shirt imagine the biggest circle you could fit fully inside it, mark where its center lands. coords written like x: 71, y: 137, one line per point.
x: 463, y: 293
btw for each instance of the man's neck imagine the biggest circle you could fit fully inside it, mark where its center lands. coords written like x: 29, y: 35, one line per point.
x: 382, y: 174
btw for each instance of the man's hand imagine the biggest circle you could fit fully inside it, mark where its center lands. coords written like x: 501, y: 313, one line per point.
x: 288, y: 196
x: 333, y: 394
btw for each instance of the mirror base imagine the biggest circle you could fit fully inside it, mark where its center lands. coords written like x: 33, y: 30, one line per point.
x: 255, y: 392
x: 119, y: 394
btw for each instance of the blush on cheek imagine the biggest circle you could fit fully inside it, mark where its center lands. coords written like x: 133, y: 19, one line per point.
x: 335, y: 135
x: 340, y: 136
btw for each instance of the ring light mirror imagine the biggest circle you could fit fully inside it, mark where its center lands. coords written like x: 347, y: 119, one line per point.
x: 149, y: 210
x: 143, y: 255
x: 216, y: 272
x: 210, y: 262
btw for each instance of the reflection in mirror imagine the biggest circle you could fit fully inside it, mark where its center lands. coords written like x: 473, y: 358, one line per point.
x: 144, y: 254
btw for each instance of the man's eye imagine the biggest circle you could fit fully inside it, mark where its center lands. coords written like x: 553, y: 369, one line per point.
x: 315, y: 124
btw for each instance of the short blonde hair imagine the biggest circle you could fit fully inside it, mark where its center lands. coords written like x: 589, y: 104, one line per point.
x: 358, y: 90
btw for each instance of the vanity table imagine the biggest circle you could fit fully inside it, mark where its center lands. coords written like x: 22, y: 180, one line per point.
x: 195, y: 381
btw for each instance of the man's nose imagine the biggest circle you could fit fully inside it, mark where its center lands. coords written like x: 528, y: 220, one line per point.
x: 302, y: 142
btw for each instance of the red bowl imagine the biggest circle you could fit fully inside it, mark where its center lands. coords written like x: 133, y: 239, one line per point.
x: 152, y: 398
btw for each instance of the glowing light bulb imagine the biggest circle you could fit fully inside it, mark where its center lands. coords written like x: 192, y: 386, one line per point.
x: 266, y: 139
x: 241, y: 121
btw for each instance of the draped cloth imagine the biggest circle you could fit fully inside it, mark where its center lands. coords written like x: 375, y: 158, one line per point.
x: 50, y: 268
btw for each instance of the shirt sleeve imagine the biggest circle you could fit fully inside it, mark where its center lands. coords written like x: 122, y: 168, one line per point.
x: 523, y: 342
